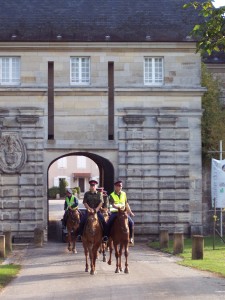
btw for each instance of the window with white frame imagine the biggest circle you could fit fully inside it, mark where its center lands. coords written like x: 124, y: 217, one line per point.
x: 153, y: 70
x: 9, y: 70
x: 80, y: 70
x: 81, y: 162
x: 62, y: 163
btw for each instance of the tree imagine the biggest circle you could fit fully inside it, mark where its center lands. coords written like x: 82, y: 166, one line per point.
x: 62, y: 186
x: 210, y: 32
x: 213, y: 118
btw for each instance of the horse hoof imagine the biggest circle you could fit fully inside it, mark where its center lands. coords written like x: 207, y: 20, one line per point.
x: 104, y: 260
x: 93, y: 272
x: 109, y: 263
x: 86, y: 270
x: 117, y: 271
x: 74, y: 251
x: 126, y: 271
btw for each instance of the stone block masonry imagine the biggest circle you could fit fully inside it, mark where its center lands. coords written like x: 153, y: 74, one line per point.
x: 21, y: 175
x: 159, y: 178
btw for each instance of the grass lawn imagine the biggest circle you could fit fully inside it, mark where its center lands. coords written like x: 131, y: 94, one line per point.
x: 7, y: 273
x: 213, y: 260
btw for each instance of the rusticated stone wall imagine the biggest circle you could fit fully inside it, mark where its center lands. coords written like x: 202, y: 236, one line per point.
x: 21, y: 170
x: 159, y: 151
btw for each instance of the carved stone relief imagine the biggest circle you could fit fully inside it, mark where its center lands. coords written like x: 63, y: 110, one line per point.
x: 12, y: 152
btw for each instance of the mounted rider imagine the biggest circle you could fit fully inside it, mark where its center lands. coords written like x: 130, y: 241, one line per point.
x: 93, y: 200
x: 118, y: 199
x: 71, y: 202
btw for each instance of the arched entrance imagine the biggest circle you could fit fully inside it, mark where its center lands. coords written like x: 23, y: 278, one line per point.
x: 106, y: 180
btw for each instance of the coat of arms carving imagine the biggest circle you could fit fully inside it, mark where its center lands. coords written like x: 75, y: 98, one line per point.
x: 12, y: 152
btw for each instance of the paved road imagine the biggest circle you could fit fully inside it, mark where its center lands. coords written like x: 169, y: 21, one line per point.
x: 52, y: 272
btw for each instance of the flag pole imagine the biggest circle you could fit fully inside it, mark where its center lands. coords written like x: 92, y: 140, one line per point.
x: 221, y: 210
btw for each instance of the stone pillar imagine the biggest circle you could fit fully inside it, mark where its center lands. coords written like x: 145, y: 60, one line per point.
x: 8, y: 240
x: 2, y: 246
x: 164, y: 239
x: 178, y: 243
x: 197, y: 246
x: 38, y: 237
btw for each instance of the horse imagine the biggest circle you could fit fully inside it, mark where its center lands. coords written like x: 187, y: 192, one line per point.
x: 104, y: 246
x: 119, y: 239
x: 92, y: 239
x: 72, y: 225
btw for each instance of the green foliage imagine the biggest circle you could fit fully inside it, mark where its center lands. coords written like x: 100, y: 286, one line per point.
x: 76, y: 190
x: 7, y: 273
x: 62, y: 186
x: 53, y: 191
x: 213, y: 119
x: 213, y: 260
x: 210, y: 32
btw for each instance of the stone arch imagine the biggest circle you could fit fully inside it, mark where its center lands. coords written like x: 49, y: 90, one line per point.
x: 106, y: 169
x: 106, y: 179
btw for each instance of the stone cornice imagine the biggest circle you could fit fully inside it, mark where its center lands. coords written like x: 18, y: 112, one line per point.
x: 106, y: 46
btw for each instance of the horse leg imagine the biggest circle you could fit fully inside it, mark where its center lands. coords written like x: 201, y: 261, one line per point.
x: 117, y: 258
x: 86, y: 258
x: 110, y: 252
x: 74, y: 243
x: 92, y: 272
x: 69, y: 240
x: 95, y: 251
x: 120, y: 258
x: 103, y: 247
x: 126, y: 253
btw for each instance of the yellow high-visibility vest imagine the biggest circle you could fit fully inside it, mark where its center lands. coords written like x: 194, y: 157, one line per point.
x: 70, y: 201
x: 118, y: 201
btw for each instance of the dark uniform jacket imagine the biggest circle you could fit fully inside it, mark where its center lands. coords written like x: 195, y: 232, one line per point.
x: 93, y: 199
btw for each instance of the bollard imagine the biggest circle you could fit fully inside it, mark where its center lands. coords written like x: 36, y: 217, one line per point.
x: 38, y: 237
x: 8, y: 240
x: 178, y: 243
x: 164, y: 239
x: 2, y: 246
x: 197, y: 246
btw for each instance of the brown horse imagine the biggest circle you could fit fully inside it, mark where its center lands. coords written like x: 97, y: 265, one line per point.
x: 92, y: 239
x: 119, y: 239
x: 72, y: 225
x: 104, y: 246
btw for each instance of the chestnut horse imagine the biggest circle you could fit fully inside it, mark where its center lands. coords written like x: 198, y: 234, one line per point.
x: 119, y: 239
x: 104, y: 246
x: 72, y: 225
x: 92, y: 239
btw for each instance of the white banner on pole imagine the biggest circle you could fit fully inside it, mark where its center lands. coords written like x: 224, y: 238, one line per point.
x: 218, y: 183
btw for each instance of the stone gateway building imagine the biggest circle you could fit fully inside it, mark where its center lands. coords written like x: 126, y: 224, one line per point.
x: 115, y: 81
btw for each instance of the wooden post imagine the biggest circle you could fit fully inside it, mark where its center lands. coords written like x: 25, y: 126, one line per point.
x: 164, y: 239
x: 38, y: 237
x: 8, y: 240
x: 2, y: 246
x: 178, y: 243
x: 197, y: 246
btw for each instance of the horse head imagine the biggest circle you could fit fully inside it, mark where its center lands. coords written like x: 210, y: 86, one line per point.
x: 74, y: 215
x: 122, y: 218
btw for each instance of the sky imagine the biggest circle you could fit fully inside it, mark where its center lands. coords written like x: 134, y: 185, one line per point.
x: 218, y: 3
